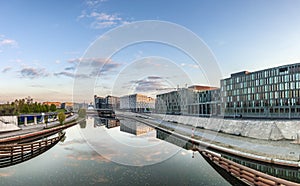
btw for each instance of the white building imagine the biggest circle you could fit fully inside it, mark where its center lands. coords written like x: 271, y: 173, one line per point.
x: 137, y: 103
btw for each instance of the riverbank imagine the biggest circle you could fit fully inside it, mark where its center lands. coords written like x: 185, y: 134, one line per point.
x: 281, y: 152
x: 34, y: 128
x: 258, y: 129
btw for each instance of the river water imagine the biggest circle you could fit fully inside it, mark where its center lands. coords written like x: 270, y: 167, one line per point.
x: 130, y: 154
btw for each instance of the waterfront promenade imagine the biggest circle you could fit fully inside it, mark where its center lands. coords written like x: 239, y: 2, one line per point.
x: 31, y: 128
x: 281, y: 151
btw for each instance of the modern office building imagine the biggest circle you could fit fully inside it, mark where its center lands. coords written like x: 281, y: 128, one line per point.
x: 205, y: 103
x: 108, y: 102
x: 195, y: 100
x: 137, y: 103
x: 269, y: 93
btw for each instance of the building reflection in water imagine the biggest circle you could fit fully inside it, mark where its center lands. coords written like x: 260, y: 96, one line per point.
x: 135, y: 128
x: 99, y: 122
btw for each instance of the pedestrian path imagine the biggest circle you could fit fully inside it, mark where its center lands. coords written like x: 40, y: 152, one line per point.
x: 281, y: 149
x: 22, y: 129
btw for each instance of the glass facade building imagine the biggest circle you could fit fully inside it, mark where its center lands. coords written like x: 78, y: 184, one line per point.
x: 269, y: 93
x: 196, y: 100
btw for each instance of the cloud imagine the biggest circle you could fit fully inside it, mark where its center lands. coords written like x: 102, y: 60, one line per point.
x: 6, y: 69
x: 97, y: 65
x: 99, y: 19
x: 154, y: 77
x: 102, y: 20
x: 190, y: 65
x: 70, y: 68
x: 71, y: 75
x: 32, y: 73
x: 151, y: 83
x: 7, y: 42
x: 94, y: 3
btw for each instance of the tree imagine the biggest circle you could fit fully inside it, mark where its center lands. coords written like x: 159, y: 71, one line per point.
x: 82, y: 113
x: 61, y: 117
x: 52, y: 107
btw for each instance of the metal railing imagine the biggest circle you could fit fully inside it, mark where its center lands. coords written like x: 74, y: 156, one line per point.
x: 11, y: 150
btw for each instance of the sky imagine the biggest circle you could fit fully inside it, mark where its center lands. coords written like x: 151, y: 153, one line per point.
x: 42, y: 44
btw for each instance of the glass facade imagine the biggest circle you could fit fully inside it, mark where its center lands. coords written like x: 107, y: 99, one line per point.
x: 272, y: 93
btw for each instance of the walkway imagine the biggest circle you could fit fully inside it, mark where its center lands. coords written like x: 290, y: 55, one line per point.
x: 283, y: 150
x: 33, y: 128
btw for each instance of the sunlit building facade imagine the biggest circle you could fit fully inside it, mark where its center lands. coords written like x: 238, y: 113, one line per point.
x: 137, y: 103
x: 195, y: 100
x: 269, y: 93
x: 108, y: 102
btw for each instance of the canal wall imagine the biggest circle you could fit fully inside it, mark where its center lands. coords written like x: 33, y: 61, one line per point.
x: 9, y: 120
x: 8, y: 123
x: 259, y: 129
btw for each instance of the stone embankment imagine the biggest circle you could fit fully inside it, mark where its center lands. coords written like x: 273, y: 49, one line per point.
x: 8, y: 123
x: 259, y: 129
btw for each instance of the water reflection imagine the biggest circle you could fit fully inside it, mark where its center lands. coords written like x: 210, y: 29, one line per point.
x: 12, y: 154
x: 287, y: 173
x: 74, y: 162
x: 135, y: 128
x: 125, y: 148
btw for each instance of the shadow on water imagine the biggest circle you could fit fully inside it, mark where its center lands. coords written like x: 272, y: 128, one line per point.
x: 12, y: 154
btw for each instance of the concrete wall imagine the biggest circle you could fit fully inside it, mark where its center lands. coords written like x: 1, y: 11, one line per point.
x: 259, y: 129
x: 9, y: 120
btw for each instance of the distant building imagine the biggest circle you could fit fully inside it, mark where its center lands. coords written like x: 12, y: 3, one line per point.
x: 67, y: 105
x: 268, y: 93
x: 49, y: 103
x: 77, y: 106
x: 194, y: 100
x: 137, y: 103
x: 108, y: 102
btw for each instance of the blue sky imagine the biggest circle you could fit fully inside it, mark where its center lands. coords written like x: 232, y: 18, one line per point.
x: 41, y: 43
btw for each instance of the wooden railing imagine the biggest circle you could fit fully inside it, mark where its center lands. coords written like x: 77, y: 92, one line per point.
x: 245, y: 174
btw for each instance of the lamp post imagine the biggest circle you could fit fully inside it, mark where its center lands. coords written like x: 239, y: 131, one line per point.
x: 289, y: 102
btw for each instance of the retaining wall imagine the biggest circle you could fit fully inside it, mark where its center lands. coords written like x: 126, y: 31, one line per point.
x: 259, y: 129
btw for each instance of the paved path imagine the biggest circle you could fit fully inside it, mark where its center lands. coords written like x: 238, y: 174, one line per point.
x: 283, y: 149
x: 33, y: 128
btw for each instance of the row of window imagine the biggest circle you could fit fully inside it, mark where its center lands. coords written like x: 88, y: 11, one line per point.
x: 264, y: 89
x: 264, y: 82
x: 289, y: 94
x: 274, y: 72
x: 264, y: 103
x: 264, y: 111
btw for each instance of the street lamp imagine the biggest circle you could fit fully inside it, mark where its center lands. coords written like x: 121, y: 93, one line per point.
x: 289, y: 102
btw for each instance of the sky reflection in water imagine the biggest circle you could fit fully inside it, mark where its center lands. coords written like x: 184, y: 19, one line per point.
x: 74, y: 162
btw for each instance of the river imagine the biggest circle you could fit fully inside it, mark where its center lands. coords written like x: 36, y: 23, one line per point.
x: 92, y: 154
